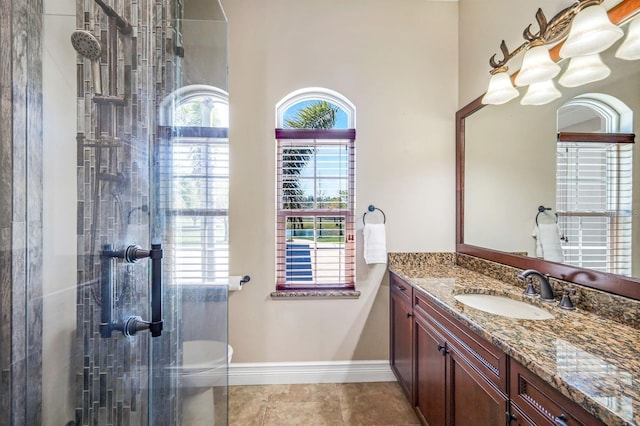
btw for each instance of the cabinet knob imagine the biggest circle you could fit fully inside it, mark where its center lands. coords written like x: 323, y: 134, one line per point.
x: 409, y: 315
x: 561, y: 420
x: 443, y: 349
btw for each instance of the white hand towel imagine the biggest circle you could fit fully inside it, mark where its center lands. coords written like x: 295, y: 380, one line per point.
x: 548, y: 240
x: 375, y: 243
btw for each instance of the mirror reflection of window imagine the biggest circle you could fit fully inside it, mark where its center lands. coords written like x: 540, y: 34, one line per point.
x: 594, y: 183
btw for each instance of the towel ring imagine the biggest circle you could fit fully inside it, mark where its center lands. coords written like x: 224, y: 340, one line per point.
x: 371, y: 209
x: 542, y: 209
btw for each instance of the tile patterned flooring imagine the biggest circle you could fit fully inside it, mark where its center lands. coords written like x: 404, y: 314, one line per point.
x: 333, y: 404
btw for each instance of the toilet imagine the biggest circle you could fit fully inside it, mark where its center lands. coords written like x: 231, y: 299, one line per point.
x: 204, y: 368
x: 204, y: 363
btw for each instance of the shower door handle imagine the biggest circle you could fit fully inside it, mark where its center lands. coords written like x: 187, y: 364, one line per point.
x: 156, y: 290
x: 133, y: 324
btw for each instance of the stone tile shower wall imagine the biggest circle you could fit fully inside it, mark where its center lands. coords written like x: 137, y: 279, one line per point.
x: 20, y: 212
x: 115, y: 144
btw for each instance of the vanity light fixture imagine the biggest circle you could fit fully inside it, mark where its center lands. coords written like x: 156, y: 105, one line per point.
x: 500, y: 89
x: 590, y: 31
x: 583, y: 70
x: 540, y: 93
x: 630, y: 48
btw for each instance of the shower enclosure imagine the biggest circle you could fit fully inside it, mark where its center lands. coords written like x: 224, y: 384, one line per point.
x: 113, y: 223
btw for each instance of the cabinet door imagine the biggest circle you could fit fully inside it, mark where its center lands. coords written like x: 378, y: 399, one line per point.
x: 401, y: 346
x: 473, y: 400
x: 430, y: 374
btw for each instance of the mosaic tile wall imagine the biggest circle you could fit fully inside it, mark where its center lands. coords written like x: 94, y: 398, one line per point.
x: 114, y: 198
x: 20, y: 212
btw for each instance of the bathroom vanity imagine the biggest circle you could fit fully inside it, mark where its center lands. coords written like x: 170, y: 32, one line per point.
x: 461, y: 365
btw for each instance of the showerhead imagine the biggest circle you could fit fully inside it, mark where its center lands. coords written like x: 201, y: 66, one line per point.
x: 89, y: 47
x: 86, y: 44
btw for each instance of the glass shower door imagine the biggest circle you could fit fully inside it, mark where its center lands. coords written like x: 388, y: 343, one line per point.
x: 115, y: 175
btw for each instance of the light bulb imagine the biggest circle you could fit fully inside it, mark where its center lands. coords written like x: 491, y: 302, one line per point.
x: 537, y: 66
x: 500, y: 89
x: 630, y: 47
x: 583, y: 70
x: 541, y: 93
x: 591, y: 32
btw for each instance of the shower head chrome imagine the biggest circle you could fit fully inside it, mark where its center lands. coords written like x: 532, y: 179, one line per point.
x: 86, y: 44
x: 89, y: 47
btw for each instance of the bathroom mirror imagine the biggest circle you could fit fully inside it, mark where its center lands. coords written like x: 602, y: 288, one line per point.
x: 506, y: 169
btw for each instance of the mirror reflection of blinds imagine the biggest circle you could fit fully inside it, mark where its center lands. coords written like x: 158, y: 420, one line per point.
x: 593, y: 202
x: 315, y: 213
x: 194, y: 193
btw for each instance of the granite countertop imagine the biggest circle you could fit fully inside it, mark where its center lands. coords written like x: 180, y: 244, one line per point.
x: 592, y: 360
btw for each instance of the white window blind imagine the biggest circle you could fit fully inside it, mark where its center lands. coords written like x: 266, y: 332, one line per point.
x: 593, y: 196
x: 315, y: 213
x: 194, y: 176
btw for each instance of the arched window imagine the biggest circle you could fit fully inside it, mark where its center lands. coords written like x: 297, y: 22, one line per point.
x: 594, y: 182
x: 315, y: 199
x: 194, y: 175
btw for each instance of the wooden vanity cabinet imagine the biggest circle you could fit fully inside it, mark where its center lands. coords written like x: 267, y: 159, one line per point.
x: 452, y: 376
x: 535, y: 403
x: 460, y: 379
x: 401, y: 333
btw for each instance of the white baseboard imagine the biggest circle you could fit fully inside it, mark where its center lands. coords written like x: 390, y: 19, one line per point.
x: 274, y: 373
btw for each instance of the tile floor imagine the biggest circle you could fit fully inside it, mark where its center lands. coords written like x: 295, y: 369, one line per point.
x: 343, y: 404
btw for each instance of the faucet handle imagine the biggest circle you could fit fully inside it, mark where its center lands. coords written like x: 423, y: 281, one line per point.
x: 566, y: 302
x: 530, y: 290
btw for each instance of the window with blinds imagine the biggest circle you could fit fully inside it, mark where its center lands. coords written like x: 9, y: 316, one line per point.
x: 593, y: 201
x: 315, y: 214
x: 193, y: 166
x: 315, y: 194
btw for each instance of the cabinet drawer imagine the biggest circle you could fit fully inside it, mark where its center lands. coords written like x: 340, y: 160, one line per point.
x: 400, y: 288
x: 486, y: 358
x: 541, y: 404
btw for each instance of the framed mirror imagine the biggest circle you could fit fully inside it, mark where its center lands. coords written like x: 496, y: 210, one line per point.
x: 516, y: 166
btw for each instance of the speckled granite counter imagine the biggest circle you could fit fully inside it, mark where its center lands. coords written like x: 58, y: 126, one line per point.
x: 592, y: 360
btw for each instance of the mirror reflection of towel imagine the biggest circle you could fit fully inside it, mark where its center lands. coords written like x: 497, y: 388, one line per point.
x: 375, y: 243
x: 548, y: 246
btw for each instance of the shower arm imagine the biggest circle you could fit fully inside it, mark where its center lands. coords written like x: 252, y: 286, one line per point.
x: 123, y: 25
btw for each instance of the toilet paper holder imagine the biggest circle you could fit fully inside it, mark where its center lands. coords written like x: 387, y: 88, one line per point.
x: 236, y: 282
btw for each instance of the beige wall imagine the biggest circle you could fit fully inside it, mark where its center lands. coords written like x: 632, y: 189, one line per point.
x: 397, y: 62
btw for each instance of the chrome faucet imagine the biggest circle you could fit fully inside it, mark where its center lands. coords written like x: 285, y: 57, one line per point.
x: 546, y: 291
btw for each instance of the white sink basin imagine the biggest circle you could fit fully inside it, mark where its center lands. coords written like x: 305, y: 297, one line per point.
x: 500, y: 305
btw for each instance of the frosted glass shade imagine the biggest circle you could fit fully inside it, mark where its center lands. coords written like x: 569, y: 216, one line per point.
x: 537, y: 66
x: 500, y: 90
x: 591, y: 32
x: 630, y: 47
x: 540, y: 93
x: 583, y: 70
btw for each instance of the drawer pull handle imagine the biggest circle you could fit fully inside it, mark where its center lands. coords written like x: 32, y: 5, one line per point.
x: 561, y: 420
x: 401, y: 288
x: 443, y: 349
